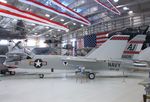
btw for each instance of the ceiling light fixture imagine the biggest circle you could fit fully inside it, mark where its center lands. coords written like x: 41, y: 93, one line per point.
x: 47, y: 15
x: 116, y: 0
x: 47, y: 27
x: 74, y: 23
x: 32, y: 24
x: 62, y: 20
x: 125, y: 8
x: 47, y: 35
x: 82, y: 25
x: 4, y: 1
x: 27, y: 9
x: 130, y: 12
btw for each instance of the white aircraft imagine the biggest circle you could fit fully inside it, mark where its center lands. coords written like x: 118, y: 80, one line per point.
x: 4, y: 68
x: 11, y: 53
x: 110, y: 57
x: 106, y: 57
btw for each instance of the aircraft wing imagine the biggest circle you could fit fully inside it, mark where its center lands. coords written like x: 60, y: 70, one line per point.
x: 79, y: 62
x: 80, y: 59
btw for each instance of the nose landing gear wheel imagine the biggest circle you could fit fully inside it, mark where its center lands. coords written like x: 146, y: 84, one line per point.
x: 41, y: 75
x: 91, y: 76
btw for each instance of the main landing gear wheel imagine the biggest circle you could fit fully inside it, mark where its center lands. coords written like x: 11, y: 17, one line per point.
x: 3, y: 72
x: 12, y: 72
x: 41, y: 75
x: 91, y: 76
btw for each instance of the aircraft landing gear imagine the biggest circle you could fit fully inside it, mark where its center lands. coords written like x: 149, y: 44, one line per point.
x: 3, y: 72
x: 88, y: 74
x: 6, y: 72
x: 91, y: 76
x: 12, y: 72
x: 41, y: 76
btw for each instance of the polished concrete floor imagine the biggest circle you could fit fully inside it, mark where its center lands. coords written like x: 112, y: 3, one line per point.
x: 29, y: 88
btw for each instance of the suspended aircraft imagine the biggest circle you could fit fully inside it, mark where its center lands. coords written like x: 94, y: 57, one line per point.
x: 12, y: 53
x: 8, y: 35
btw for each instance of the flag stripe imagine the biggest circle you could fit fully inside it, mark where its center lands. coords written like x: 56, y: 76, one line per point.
x: 101, y: 38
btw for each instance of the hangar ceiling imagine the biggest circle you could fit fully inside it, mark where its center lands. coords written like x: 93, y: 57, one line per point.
x: 90, y: 9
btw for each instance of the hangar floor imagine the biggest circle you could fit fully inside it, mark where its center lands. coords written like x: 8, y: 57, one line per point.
x: 69, y: 89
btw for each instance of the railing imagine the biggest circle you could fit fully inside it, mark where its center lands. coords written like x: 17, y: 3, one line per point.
x: 115, y: 24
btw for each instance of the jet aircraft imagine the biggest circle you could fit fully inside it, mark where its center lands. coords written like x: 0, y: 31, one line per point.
x: 107, y: 57
x: 112, y: 49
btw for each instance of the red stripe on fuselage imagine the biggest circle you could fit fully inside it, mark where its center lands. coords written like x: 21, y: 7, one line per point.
x: 119, y: 38
x: 131, y: 52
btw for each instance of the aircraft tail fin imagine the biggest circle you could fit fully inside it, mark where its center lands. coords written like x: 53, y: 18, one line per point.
x: 134, y: 47
x: 112, y: 48
x: 18, y: 48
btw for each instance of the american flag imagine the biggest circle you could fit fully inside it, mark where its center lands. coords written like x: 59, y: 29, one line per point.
x: 101, y: 38
x: 95, y: 40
